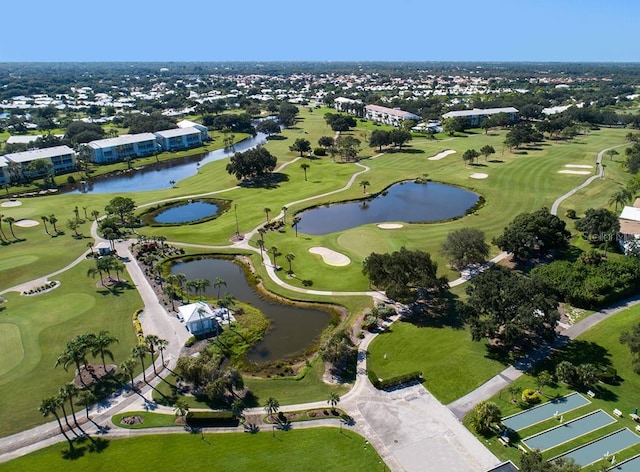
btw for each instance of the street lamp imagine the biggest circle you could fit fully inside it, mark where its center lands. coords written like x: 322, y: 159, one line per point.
x: 235, y: 210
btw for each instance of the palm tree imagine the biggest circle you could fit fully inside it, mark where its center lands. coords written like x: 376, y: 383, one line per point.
x: 290, y: 257
x: 84, y: 209
x: 611, y: 153
x: 333, y: 400
x: 271, y: 406
x: 93, y: 271
x: 201, y: 312
x: 219, y: 283
x: 100, y: 346
x: 513, y: 391
x: 274, y: 252
x: 67, y: 393
x: 75, y: 352
x: 140, y: 350
x: 162, y: 345
x: 267, y: 210
x: 172, y: 183
x: 364, y: 184
x: 202, y: 285
x: 181, y: 278
x: 95, y: 214
x: 621, y: 197
x: 181, y: 408
x: 294, y: 224
x: 304, y: 166
x: 49, y: 406
x: 260, y: 244
x: 151, y: 340
x: 261, y: 232
x: 86, y: 398
x: 44, y: 221
x: 129, y: 367
x: 192, y: 286
x: 486, y: 413
x: 53, y: 220
x: 226, y: 301
x: 10, y: 220
x: 284, y: 214
x: 237, y: 408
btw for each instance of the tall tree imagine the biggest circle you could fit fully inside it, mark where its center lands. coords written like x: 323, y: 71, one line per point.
x: 364, y: 184
x: 304, y: 166
x: 465, y: 246
x: 485, y: 414
x: 151, y: 340
x: 49, y: 406
x: 100, y: 346
x: 218, y: 283
x: 290, y: 257
x: 621, y: 197
x: 140, y: 351
x: 379, y: 138
x: 301, y: 145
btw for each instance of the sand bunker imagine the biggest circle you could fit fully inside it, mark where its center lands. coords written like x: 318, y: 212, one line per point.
x: 11, y: 203
x: 331, y: 257
x: 577, y: 172
x: 579, y: 166
x: 441, y: 155
x: 26, y: 223
x: 390, y: 225
x: 479, y: 175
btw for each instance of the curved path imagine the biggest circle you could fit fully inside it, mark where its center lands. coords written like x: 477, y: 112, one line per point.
x: 408, y: 427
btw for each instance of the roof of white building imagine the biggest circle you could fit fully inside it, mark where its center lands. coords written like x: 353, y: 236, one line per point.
x: 22, y: 139
x: 190, y: 124
x: 630, y: 213
x: 201, y: 310
x: 480, y: 111
x: 172, y: 133
x: 122, y: 140
x: 390, y: 111
x: 346, y: 100
x: 27, y: 156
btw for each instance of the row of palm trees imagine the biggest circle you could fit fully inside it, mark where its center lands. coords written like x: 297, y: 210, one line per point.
x: 10, y: 221
x: 104, y: 265
x: 51, y: 405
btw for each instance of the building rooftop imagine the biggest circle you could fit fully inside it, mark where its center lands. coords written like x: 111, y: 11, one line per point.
x: 480, y: 111
x: 122, y: 140
x: 630, y: 213
x: 26, y: 156
x: 172, y: 133
x: 389, y: 111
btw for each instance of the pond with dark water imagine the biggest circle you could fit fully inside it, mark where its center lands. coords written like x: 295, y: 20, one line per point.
x: 191, y: 211
x: 293, y: 329
x: 410, y: 202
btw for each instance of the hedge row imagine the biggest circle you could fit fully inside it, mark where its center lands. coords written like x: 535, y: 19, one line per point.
x: 386, y: 384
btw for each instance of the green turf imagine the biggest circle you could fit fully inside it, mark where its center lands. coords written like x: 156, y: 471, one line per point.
x: 41, y: 325
x: 451, y: 364
x: 304, y: 449
x: 149, y: 420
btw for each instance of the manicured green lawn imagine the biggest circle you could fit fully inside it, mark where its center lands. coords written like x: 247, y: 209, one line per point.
x: 149, y: 420
x: 305, y: 449
x: 35, y: 329
x: 451, y: 363
x: 600, y: 345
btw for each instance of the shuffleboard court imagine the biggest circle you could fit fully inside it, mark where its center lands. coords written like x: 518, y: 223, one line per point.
x: 632, y: 465
x: 596, y: 450
x: 545, y: 411
x: 567, y: 431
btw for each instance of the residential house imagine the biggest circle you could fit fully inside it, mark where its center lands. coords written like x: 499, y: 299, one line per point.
x: 199, y: 318
x: 179, y: 138
x: 477, y: 115
x: 629, y: 236
x: 388, y: 116
x: 119, y: 148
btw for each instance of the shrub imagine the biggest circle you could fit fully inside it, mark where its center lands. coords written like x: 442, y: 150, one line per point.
x: 190, y: 342
x: 211, y: 419
x: 320, y: 151
x: 530, y: 396
x: 386, y: 384
x: 307, y: 282
x: 608, y: 375
x: 570, y: 213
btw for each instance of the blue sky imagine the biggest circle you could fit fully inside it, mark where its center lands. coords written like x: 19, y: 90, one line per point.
x: 327, y: 30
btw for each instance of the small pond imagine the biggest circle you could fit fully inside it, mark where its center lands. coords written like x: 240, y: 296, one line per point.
x: 410, y: 202
x: 191, y: 211
x: 293, y: 329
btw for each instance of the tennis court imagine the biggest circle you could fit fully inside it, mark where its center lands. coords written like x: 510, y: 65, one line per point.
x: 596, y: 450
x: 568, y: 431
x: 545, y: 411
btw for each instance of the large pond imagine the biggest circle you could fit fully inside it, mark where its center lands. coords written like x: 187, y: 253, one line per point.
x: 292, y: 329
x: 409, y: 202
x: 191, y: 211
x: 159, y: 176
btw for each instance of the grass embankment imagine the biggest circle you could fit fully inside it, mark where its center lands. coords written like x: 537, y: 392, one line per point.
x: 36, y: 329
x: 600, y: 346
x: 302, y: 449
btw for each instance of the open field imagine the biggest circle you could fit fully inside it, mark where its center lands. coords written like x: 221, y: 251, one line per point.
x: 600, y: 345
x: 298, y: 449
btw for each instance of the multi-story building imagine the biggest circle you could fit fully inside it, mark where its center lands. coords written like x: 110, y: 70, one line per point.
x: 61, y: 158
x: 179, y: 138
x: 477, y: 115
x: 117, y: 149
x: 388, y: 116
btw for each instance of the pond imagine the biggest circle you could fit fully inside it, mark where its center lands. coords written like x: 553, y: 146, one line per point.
x: 293, y: 329
x: 409, y: 202
x: 191, y: 211
x: 159, y: 176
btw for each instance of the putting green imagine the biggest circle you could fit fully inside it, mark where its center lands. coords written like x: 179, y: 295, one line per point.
x: 11, y: 349
x: 363, y: 241
x: 18, y: 261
